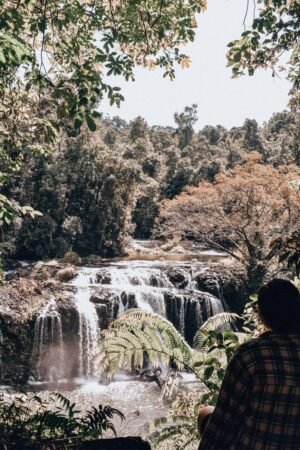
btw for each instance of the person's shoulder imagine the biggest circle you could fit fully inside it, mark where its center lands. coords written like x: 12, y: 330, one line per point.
x: 266, y: 342
x: 253, y: 345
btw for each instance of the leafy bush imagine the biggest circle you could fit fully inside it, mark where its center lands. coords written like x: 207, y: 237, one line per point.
x: 71, y: 258
x: 26, y: 419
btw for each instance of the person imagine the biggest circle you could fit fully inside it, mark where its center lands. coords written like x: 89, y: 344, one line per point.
x: 258, y: 407
x: 203, y: 418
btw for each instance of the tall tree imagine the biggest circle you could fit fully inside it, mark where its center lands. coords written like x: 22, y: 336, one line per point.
x: 241, y: 213
x: 185, y: 124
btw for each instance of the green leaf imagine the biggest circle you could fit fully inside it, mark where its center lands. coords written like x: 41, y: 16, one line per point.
x: 208, y: 372
x: 91, y: 123
x: 78, y: 121
x: 7, y: 219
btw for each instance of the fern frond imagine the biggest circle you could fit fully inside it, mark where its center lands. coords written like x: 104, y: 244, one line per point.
x: 150, y: 428
x: 137, y: 332
x: 193, y: 439
x: 157, y: 438
x: 213, y: 323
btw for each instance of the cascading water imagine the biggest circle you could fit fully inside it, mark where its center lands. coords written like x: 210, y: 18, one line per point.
x: 152, y: 291
x: 216, y: 305
x: 88, y: 326
x: 117, y: 287
x: 48, y: 351
x: 146, y: 285
x: 181, y: 315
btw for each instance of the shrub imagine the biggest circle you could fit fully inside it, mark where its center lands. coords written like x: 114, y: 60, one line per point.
x: 28, y: 419
x: 66, y: 274
x: 71, y: 258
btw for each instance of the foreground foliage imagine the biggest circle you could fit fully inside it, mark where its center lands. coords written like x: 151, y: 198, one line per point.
x: 274, y: 31
x: 26, y: 419
x: 137, y: 335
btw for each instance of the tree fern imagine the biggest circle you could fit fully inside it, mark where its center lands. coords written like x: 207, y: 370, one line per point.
x: 138, y: 333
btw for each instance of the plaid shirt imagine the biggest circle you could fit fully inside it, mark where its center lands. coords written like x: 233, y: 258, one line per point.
x: 259, y: 403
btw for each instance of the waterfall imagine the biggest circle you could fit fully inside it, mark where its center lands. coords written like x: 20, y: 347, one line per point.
x: 88, y: 327
x: 153, y: 291
x: 116, y: 287
x: 147, y: 285
x: 181, y: 314
x: 216, y: 305
x: 48, y: 351
x: 151, y: 301
x: 139, y: 276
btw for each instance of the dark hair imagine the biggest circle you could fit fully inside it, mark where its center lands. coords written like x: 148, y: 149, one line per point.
x: 279, y: 306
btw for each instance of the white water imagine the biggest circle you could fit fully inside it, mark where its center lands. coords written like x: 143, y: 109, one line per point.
x: 146, y: 284
x: 216, y: 305
x: 48, y: 351
x: 88, y: 328
x: 149, y: 286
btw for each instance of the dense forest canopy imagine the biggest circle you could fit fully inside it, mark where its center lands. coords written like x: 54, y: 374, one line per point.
x: 97, y: 189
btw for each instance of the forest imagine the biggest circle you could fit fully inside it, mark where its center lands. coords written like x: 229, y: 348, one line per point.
x: 95, y: 190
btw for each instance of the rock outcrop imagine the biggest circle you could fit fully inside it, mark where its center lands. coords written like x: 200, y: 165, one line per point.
x: 186, y: 294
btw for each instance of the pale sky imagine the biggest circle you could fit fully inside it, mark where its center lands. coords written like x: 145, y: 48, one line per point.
x: 221, y: 99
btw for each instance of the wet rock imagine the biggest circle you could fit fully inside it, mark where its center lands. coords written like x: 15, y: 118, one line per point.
x: 15, y: 275
x: 227, y: 284
x: 178, y: 277
x: 99, y: 299
x: 208, y: 281
x: 51, y: 284
x: 128, y: 300
x: 103, y: 278
x: 102, y: 316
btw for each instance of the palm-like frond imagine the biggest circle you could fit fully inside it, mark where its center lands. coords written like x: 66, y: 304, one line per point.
x: 164, y: 428
x: 213, y: 323
x: 137, y: 333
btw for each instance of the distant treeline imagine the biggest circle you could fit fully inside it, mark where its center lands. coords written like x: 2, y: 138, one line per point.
x: 96, y: 189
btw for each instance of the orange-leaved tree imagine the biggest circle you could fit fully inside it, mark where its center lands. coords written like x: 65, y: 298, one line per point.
x: 241, y: 213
